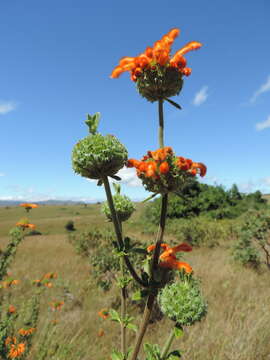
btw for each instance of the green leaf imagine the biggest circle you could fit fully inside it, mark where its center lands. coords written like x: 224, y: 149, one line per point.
x: 174, y: 103
x: 140, y: 251
x: 115, y: 316
x: 117, y: 355
x: 92, y: 122
x: 178, y: 331
x: 137, y: 296
x: 117, y: 188
x: 132, y: 327
x: 152, y: 352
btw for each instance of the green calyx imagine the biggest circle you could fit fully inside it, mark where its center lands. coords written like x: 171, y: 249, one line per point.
x: 182, y: 302
x: 97, y: 156
x: 159, y: 82
x: 124, y: 207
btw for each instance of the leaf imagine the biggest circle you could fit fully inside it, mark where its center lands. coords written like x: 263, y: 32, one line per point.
x: 115, y: 177
x: 152, y: 352
x: 117, y: 187
x: 132, y: 327
x: 173, y: 103
x: 140, y: 251
x: 114, y: 316
x: 117, y: 355
x: 174, y: 355
x: 92, y: 122
x: 178, y: 331
x: 100, y: 182
x: 149, y: 198
x: 137, y: 296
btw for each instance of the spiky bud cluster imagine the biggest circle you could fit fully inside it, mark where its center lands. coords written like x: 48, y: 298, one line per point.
x: 182, y: 302
x: 159, y: 82
x: 123, y: 205
x: 96, y: 155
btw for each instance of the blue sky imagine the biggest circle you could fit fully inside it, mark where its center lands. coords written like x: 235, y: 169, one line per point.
x: 56, y: 58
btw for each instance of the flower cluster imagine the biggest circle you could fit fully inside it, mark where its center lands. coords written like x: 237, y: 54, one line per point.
x: 162, y: 172
x: 168, y: 259
x: 15, y: 350
x: 45, y: 280
x: 8, y: 283
x: 26, y: 332
x: 28, y: 206
x: 24, y: 224
x: 158, y: 75
x: 103, y: 313
x: 56, y: 305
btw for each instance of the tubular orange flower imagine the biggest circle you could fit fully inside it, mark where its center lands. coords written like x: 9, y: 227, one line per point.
x: 50, y: 275
x: 26, y: 332
x: 164, y: 167
x: 28, y: 206
x: 16, y: 350
x: 168, y: 259
x: 24, y: 224
x: 103, y: 313
x: 158, y: 75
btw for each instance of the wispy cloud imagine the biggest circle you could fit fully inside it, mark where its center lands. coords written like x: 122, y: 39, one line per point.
x: 201, y: 96
x: 7, y: 106
x: 2, y: 174
x: 262, y: 89
x: 263, y: 125
x: 128, y: 177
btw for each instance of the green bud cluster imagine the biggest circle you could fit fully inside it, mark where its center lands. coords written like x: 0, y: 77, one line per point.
x: 97, y: 156
x: 124, y: 208
x: 160, y: 82
x: 182, y: 302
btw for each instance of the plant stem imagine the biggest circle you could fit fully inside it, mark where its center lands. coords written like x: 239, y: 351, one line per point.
x: 161, y: 123
x: 167, y: 346
x: 118, y: 232
x: 123, y: 305
x: 152, y: 296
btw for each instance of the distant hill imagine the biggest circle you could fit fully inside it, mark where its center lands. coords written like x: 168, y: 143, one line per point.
x: 47, y: 202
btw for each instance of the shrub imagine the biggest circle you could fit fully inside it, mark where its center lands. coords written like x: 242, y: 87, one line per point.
x: 70, y: 226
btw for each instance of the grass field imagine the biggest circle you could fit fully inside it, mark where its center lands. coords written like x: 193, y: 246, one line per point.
x: 237, y: 326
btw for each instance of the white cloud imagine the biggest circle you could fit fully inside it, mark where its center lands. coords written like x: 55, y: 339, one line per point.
x: 2, y: 174
x: 263, y: 125
x: 128, y: 177
x: 200, y: 96
x: 266, y: 181
x: 7, y: 106
x: 262, y: 89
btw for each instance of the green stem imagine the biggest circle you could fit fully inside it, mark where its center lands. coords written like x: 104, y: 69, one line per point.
x: 152, y: 296
x: 167, y: 346
x: 118, y: 232
x: 123, y: 305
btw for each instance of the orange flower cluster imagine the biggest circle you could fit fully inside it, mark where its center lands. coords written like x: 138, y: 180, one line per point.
x: 28, y: 206
x: 11, y: 309
x: 56, y: 305
x: 24, y: 224
x: 168, y: 259
x: 45, y: 280
x: 15, y: 350
x: 161, y: 171
x: 26, y: 332
x: 8, y: 283
x: 103, y: 313
x: 158, y: 54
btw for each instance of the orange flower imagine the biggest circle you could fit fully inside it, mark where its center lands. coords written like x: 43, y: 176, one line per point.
x: 164, y: 167
x: 57, y: 305
x: 26, y: 332
x: 104, y: 314
x: 168, y: 259
x: 101, y: 333
x: 10, y: 339
x: 48, y: 284
x: 50, y: 275
x: 158, y: 54
x: 7, y: 283
x: 11, y: 309
x: 16, y: 350
x: 24, y: 224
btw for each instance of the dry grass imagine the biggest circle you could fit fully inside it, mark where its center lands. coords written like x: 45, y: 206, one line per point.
x: 237, y: 326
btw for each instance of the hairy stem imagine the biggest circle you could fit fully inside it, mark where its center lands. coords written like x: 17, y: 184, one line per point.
x: 118, y: 232
x: 167, y: 345
x: 152, y: 296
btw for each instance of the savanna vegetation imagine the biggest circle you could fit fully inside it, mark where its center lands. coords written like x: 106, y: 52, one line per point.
x: 59, y: 283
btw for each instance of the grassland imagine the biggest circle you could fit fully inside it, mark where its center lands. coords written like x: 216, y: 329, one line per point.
x: 237, y: 326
